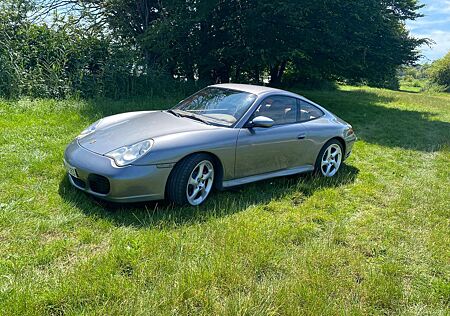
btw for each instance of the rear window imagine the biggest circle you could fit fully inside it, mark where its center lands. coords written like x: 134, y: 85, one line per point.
x: 308, y: 112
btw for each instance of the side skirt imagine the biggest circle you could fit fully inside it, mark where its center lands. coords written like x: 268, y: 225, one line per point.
x: 264, y: 176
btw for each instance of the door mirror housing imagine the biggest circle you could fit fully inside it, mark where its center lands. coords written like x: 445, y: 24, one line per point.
x: 262, y: 121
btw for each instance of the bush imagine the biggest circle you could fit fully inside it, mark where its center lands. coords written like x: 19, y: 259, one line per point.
x: 440, y: 73
x: 434, y: 87
x: 9, y: 83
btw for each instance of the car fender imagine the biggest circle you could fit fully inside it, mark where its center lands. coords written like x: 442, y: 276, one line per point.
x: 169, y: 149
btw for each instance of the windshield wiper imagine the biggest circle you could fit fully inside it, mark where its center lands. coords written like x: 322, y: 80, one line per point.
x: 195, y: 117
x: 174, y: 113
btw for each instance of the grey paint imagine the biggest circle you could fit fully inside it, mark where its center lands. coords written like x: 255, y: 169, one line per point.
x: 129, y: 128
x: 262, y: 150
x: 261, y: 121
x: 128, y: 184
x: 268, y: 175
x: 246, y: 154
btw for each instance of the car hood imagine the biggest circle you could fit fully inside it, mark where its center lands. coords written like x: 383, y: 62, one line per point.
x: 129, y: 128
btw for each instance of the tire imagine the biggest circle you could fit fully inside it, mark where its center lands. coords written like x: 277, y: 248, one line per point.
x: 185, y: 180
x: 329, y: 159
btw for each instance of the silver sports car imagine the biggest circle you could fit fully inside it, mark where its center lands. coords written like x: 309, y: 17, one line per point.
x: 222, y: 136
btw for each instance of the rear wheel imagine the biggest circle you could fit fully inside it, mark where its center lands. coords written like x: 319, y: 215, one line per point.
x: 330, y: 159
x: 192, y: 180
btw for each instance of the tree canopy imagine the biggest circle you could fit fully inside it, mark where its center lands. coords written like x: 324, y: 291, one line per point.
x: 123, y: 44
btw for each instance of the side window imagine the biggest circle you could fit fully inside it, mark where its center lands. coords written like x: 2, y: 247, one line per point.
x: 308, y: 111
x: 282, y: 110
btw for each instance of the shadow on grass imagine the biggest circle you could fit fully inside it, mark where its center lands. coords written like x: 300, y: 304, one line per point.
x: 385, y: 126
x: 162, y: 214
x: 408, y: 91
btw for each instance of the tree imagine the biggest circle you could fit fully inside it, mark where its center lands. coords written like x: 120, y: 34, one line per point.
x: 118, y: 45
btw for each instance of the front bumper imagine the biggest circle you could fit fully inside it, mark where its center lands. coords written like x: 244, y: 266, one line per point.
x: 98, y: 175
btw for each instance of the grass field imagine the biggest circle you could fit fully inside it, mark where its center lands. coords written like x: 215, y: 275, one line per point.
x: 374, y: 240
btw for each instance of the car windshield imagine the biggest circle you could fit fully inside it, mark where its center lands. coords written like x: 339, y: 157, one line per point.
x: 216, y: 105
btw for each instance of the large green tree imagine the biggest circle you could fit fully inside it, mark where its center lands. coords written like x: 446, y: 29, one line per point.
x: 240, y: 39
x: 118, y: 45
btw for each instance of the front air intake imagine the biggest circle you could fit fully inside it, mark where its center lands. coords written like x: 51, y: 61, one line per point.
x: 98, y: 184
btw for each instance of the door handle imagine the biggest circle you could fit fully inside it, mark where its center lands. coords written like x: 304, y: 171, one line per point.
x: 301, y: 136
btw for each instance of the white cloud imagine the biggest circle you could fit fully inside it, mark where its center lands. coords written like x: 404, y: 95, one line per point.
x: 437, y: 6
x: 434, y: 25
x: 423, y: 23
x: 437, y: 50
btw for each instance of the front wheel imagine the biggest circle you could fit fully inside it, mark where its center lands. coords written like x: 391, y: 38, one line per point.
x: 192, y: 180
x: 329, y: 159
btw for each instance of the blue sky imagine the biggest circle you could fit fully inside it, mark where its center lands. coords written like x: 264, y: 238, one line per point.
x: 434, y: 25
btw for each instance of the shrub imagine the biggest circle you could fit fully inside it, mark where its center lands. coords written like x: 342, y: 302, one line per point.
x: 440, y: 73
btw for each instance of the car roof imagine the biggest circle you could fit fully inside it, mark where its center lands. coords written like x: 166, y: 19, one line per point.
x: 258, y: 90
x: 264, y: 91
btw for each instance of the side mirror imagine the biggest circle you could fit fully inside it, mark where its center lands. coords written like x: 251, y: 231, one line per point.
x: 262, y: 121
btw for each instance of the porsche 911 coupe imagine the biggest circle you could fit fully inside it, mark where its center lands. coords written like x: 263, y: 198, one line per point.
x: 222, y: 136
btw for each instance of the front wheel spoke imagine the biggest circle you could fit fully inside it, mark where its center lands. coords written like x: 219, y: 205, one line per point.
x: 194, y: 193
x: 329, y: 153
x: 192, y: 181
x: 208, y: 174
x: 199, y: 172
x: 327, y: 172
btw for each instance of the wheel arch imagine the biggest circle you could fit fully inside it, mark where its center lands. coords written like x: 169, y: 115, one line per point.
x: 218, y: 166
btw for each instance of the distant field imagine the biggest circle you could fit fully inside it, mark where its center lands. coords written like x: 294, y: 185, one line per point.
x: 412, y: 86
x: 376, y: 239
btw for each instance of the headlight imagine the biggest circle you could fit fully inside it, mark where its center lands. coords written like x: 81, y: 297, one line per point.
x: 89, y: 130
x: 127, y: 154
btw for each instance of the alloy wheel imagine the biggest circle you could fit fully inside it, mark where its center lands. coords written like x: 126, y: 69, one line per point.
x: 331, y: 160
x: 200, y: 182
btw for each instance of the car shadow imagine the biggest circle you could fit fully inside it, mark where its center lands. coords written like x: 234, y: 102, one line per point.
x: 162, y: 214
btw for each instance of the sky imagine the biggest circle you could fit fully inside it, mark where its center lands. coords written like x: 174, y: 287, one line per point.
x: 434, y: 25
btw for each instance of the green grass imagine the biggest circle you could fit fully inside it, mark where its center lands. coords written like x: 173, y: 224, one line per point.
x: 415, y: 85
x: 374, y: 240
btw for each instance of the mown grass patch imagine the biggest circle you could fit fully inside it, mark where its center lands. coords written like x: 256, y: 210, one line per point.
x: 372, y: 240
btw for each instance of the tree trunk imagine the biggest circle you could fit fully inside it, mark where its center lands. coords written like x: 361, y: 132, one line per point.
x: 237, y: 76
x: 276, y: 73
x: 257, y: 75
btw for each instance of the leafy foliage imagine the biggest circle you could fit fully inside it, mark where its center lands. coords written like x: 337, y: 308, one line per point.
x: 440, y: 72
x: 120, y: 47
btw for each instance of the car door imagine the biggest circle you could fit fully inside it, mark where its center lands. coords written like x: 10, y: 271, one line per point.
x: 261, y: 150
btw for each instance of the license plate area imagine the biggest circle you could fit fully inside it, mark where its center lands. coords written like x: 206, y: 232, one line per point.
x: 71, y: 170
